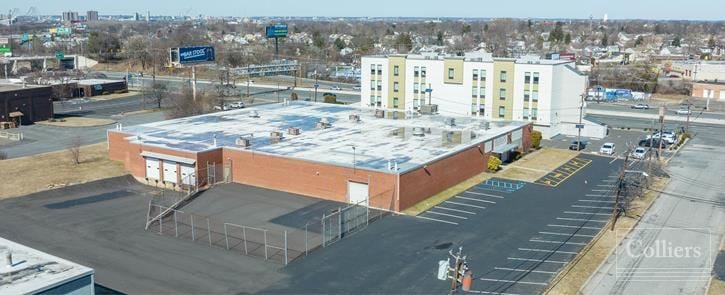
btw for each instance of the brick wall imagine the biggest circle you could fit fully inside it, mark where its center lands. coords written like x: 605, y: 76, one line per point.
x: 698, y: 89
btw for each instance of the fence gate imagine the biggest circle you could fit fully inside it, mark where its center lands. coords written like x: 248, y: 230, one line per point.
x: 344, y: 221
x: 331, y: 228
x: 211, y: 172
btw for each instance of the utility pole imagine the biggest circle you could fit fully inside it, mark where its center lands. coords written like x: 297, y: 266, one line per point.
x: 248, y: 79
x: 687, y: 125
x: 317, y: 85
x: 458, y: 269
x: 193, y: 82
x: 620, y: 185
x: 580, y: 126
x: 662, y: 129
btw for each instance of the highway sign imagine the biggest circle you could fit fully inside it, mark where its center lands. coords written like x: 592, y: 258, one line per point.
x: 196, y: 54
x: 276, y: 31
x: 317, y: 85
x: 4, y: 40
x: 579, y: 126
x: 4, y: 48
x: 59, y: 54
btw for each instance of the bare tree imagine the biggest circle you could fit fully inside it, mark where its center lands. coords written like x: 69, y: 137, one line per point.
x: 157, y: 92
x: 74, y: 149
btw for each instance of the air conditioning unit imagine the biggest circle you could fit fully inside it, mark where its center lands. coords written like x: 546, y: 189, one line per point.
x: 429, y: 109
x: 418, y: 131
x: 354, y: 118
x: 275, y: 136
x: 379, y: 114
x: 293, y: 131
x: 323, y: 123
x: 450, y: 122
x: 243, y: 142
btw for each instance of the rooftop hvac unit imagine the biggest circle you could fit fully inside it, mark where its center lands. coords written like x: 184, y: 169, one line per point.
x: 418, y: 131
x: 243, y: 142
x: 354, y: 118
x: 379, y: 114
x: 429, y: 109
x: 450, y: 121
x: 323, y: 123
x: 275, y: 136
x: 254, y: 114
x: 293, y: 131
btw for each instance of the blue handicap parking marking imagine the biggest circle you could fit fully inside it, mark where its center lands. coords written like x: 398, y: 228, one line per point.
x: 501, y: 185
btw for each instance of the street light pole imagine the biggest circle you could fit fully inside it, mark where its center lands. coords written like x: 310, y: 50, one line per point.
x: 579, y: 126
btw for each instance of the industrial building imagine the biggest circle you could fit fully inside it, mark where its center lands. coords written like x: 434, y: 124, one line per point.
x: 95, y: 87
x: 25, y: 104
x: 547, y: 93
x: 25, y: 270
x: 334, y: 152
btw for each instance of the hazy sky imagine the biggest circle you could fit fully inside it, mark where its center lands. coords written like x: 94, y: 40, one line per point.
x: 616, y: 9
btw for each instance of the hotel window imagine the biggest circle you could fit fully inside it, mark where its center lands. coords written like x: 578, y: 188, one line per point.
x: 451, y: 73
x: 422, y: 72
x: 474, y: 93
x: 416, y: 71
x: 482, y: 92
x: 475, y: 74
x: 380, y: 69
x: 501, y: 112
x: 372, y: 69
x: 536, y: 78
x: 380, y: 84
x: 527, y: 77
x: 396, y: 70
x: 372, y: 84
x: 396, y: 86
x: 416, y: 103
x: 416, y: 87
x: 379, y: 101
x: 526, y: 95
x: 526, y: 113
x: 481, y: 110
x: 535, y: 95
x: 372, y: 100
x: 503, y: 77
x: 502, y: 94
x: 474, y: 108
x: 395, y: 102
x: 534, y: 114
x: 483, y: 75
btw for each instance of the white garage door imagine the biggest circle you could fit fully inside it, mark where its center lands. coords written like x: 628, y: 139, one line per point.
x: 188, y: 174
x: 357, y: 193
x: 170, y: 173
x: 152, y: 168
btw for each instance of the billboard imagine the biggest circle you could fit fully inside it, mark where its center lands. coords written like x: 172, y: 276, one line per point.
x: 63, y: 31
x: 196, y: 54
x: 4, y: 49
x: 276, y: 31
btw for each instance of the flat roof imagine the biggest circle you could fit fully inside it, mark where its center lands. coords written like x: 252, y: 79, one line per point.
x: 12, y: 86
x: 96, y: 81
x: 34, y: 271
x: 375, y: 140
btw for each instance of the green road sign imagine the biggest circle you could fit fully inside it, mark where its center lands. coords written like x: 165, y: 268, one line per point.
x: 59, y: 54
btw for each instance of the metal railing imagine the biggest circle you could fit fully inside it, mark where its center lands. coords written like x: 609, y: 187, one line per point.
x: 355, y: 217
x: 12, y: 136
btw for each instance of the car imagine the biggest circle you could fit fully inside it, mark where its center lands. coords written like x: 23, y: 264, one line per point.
x: 639, y: 153
x: 335, y: 88
x: 640, y: 106
x: 668, y: 136
x: 356, y: 87
x: 236, y: 105
x: 577, y: 145
x: 683, y: 112
x: 607, y: 148
x: 652, y: 142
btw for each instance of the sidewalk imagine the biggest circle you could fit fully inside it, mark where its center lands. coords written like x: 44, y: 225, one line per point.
x: 668, y: 117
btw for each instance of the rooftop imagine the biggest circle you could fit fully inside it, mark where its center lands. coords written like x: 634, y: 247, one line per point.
x: 34, y: 271
x: 411, y: 141
x: 12, y: 86
x: 96, y: 81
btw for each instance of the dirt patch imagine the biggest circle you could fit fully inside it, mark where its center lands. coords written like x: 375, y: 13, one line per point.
x: 115, y: 95
x: 573, y: 277
x: 446, y: 194
x: 537, y: 164
x: 77, y: 122
x: 22, y: 176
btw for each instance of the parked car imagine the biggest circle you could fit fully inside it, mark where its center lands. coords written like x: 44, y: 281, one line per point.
x: 683, y: 112
x: 639, y: 153
x: 668, y: 136
x: 236, y: 105
x: 607, y: 149
x: 641, y: 106
x: 652, y: 142
x: 577, y: 145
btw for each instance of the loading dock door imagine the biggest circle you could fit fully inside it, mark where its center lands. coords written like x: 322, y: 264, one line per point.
x: 188, y: 174
x: 152, y: 168
x: 170, y: 172
x: 357, y: 193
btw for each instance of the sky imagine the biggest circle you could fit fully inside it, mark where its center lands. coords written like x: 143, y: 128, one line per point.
x: 582, y: 9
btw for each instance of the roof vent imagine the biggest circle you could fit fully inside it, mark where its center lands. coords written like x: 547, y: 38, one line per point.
x: 275, y: 136
x: 418, y: 131
x: 293, y: 131
x: 379, y: 114
x: 243, y: 142
x: 354, y: 118
x: 254, y: 114
x: 450, y: 121
x: 323, y: 123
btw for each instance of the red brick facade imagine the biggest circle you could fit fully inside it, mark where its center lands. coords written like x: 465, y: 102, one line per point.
x: 320, y: 180
x: 711, y: 90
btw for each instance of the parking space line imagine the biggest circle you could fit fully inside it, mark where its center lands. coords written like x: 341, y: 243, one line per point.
x: 537, y: 260
x: 599, y: 196
x: 548, y: 251
x: 482, y: 194
x: 464, y: 204
x: 525, y: 270
x: 579, y: 219
x: 445, y: 214
x: 477, y: 200
x: 455, y: 210
x: 587, y: 213
x: 492, y: 293
x: 564, y: 234
x: 438, y: 220
x: 601, y: 190
x: 557, y: 242
x: 609, y: 180
x: 590, y: 207
x: 595, y: 201
x: 606, y: 185
x: 515, y: 282
x: 573, y: 226
x: 612, y: 176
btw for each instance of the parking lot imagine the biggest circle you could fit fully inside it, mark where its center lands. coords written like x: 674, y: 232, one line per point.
x: 622, y: 140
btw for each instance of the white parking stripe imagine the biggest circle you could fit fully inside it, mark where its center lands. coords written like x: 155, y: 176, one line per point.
x: 482, y: 194
x: 573, y: 226
x: 579, y: 219
x: 605, y: 185
x: 477, y: 200
x: 537, y: 260
x: 590, y: 207
x: 492, y: 293
x: 587, y: 213
x: 445, y: 214
x: 564, y: 234
x: 609, y: 180
x: 455, y: 210
x: 438, y: 220
x: 601, y: 190
x: 599, y: 196
x: 596, y: 201
x: 548, y: 251
x: 464, y: 204
x: 557, y: 242
x: 524, y: 270
x: 516, y: 282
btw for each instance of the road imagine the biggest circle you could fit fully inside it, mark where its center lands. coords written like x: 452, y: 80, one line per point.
x: 690, y: 214
x: 593, y: 107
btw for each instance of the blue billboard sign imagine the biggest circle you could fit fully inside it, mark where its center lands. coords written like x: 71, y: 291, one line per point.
x: 196, y: 54
x: 276, y: 31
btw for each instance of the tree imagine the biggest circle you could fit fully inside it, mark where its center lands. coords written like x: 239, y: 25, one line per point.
x: 711, y: 42
x: 466, y: 29
x: 137, y: 49
x: 677, y: 41
x: 605, y: 40
x: 439, y: 38
x: 74, y: 149
x: 639, y: 41
x: 103, y: 44
x: 404, y: 43
x: 318, y: 40
x: 157, y: 93
x: 339, y: 44
x: 535, y: 139
x: 557, y: 34
x: 567, y: 38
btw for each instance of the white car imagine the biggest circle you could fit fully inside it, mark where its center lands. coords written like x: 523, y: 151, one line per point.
x: 639, y: 153
x: 667, y: 136
x: 607, y: 149
x: 236, y: 105
x: 335, y: 88
x: 683, y: 112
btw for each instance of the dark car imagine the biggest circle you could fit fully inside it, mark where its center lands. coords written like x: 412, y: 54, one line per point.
x: 577, y: 145
x: 652, y: 143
